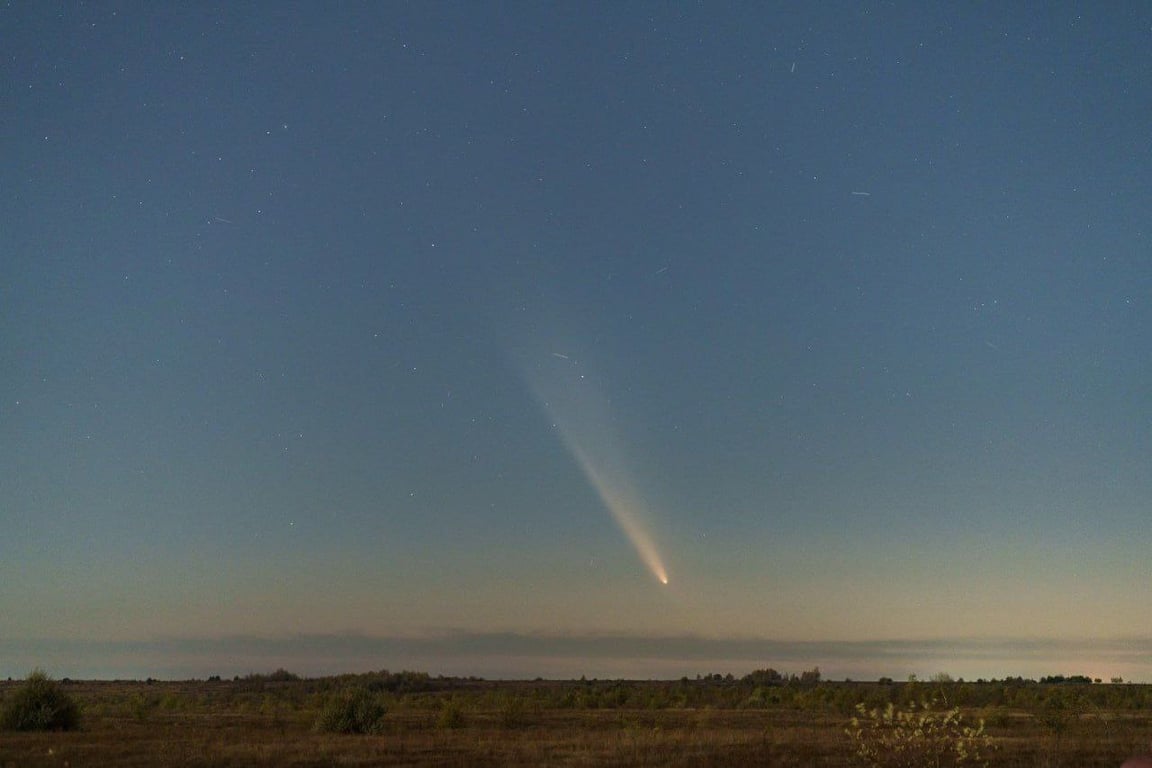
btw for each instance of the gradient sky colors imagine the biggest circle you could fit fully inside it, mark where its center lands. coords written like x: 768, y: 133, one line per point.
x: 294, y: 302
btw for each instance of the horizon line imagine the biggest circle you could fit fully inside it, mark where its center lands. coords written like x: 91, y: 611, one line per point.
x: 513, y: 655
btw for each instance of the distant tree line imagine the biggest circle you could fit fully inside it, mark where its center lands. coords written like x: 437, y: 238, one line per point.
x: 1070, y: 680
x: 772, y: 677
x: 359, y: 697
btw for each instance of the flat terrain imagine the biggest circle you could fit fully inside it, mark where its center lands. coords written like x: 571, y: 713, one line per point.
x: 437, y: 722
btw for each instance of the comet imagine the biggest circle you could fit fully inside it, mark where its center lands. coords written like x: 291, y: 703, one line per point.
x: 582, y: 418
x: 626, y: 508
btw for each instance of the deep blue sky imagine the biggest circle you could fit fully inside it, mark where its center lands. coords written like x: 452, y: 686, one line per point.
x: 335, y: 321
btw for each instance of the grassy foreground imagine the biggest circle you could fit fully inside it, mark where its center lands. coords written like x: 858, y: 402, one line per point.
x: 264, y: 721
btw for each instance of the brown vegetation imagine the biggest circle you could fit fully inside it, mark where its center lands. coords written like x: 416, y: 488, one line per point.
x: 423, y: 721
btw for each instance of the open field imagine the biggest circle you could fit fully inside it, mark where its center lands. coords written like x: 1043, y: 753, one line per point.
x: 439, y: 722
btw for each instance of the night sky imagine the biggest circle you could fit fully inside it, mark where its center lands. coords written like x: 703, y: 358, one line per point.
x: 347, y: 336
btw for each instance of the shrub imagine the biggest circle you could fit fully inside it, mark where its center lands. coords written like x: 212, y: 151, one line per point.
x: 918, y: 737
x: 451, y: 715
x: 142, y: 706
x: 512, y: 711
x: 355, y: 711
x: 282, y: 675
x: 40, y: 705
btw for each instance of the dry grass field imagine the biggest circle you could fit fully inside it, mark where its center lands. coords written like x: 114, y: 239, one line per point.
x: 432, y: 722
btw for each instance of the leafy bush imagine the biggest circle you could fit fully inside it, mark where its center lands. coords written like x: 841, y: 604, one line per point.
x: 512, y: 711
x: 355, y: 711
x: 40, y: 705
x: 918, y: 737
x: 282, y: 675
x: 451, y: 715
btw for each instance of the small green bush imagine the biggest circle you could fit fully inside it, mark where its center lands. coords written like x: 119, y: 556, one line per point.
x: 918, y: 737
x: 513, y: 711
x: 354, y: 711
x: 40, y: 705
x: 451, y: 716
